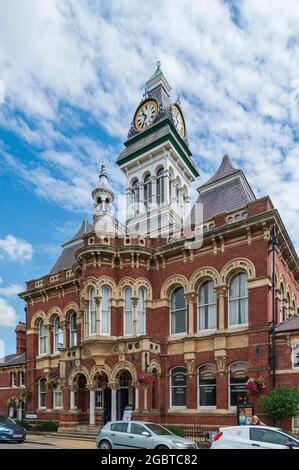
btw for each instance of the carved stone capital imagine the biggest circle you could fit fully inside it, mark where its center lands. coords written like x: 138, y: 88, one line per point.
x: 221, y: 365
x: 190, y: 366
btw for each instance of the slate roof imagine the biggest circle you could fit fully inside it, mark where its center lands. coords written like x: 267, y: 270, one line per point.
x: 67, y: 257
x: 227, y: 190
x: 226, y: 169
x: 289, y: 325
x: 13, y: 360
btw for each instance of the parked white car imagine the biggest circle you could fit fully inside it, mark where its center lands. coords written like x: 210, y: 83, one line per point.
x: 254, y: 437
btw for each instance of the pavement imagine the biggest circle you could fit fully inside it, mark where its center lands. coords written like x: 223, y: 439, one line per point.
x: 45, y: 442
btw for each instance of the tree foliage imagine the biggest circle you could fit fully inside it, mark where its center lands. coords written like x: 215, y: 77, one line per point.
x: 282, y: 403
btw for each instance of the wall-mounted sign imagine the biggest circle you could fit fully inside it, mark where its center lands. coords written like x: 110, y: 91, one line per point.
x: 31, y: 416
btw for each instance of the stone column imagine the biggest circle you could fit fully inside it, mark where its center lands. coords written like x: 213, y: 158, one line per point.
x: 154, y: 192
x: 136, y: 398
x: 145, y: 398
x: 221, y: 383
x: 92, y: 416
x: 134, y: 307
x: 98, y: 300
x: 113, y: 404
x: 86, y: 319
x: 130, y: 211
x: 190, y: 297
x: 221, y: 293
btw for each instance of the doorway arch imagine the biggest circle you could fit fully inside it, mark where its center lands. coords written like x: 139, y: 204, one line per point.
x: 125, y: 393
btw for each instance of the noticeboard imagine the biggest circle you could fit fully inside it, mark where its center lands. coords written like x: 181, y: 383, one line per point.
x: 244, y: 414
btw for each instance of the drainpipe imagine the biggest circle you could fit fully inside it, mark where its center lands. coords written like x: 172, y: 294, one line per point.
x: 273, y: 244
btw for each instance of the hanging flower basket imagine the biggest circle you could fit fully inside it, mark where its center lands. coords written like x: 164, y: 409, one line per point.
x: 255, y: 384
x: 13, y: 402
x: 25, y: 394
x: 145, y: 380
x: 53, y: 383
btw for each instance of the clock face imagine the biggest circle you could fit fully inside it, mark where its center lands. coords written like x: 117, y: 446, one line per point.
x: 178, y: 120
x: 145, y: 114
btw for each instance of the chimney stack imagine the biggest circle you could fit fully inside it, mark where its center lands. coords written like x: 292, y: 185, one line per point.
x: 20, y: 338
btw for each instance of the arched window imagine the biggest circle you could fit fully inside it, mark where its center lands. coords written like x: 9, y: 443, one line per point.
x: 135, y: 197
x: 92, y: 312
x: 42, y: 338
x: 141, y: 309
x: 281, y: 303
x: 238, y: 299
x: 288, y: 306
x: 57, y: 398
x: 207, y: 306
x: 178, y: 312
x: 147, y: 184
x: 238, y: 376
x: 73, y: 330
x: 42, y: 393
x: 128, y: 313
x: 178, y: 394
x: 57, y: 335
x: 160, y: 186
x: 105, y: 312
x: 207, y: 386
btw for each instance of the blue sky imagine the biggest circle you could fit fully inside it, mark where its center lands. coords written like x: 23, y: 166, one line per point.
x: 72, y: 74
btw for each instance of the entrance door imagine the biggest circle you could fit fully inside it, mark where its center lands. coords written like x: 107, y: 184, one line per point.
x: 107, y: 405
x: 122, y: 400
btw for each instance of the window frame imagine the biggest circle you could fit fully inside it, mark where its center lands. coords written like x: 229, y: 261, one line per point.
x: 73, y: 332
x: 200, y: 306
x: 57, y: 391
x: 178, y: 310
x: 147, y: 191
x: 294, y: 345
x: 202, y: 407
x: 58, y: 333
x: 22, y: 379
x: 44, y: 338
x: 171, y: 387
x: 230, y: 406
x: 230, y: 300
x: 44, y: 394
x: 92, y: 312
x: 142, y: 312
x: 160, y: 187
x: 14, y: 380
x: 125, y: 312
x: 106, y: 311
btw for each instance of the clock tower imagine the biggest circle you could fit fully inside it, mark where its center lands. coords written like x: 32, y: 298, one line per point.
x: 157, y: 163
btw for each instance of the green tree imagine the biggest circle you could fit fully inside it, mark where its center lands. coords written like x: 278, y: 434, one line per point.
x: 282, y: 403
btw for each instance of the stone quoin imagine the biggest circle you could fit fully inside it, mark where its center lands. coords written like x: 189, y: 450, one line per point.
x: 137, y: 314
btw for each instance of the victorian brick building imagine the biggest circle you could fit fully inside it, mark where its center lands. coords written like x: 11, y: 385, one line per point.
x: 168, y: 319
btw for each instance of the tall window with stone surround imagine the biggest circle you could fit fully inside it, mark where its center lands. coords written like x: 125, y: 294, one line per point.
x: 178, y: 395
x: 42, y: 338
x: 141, y: 312
x: 92, y: 312
x: 73, y: 329
x: 207, y: 306
x: 57, y: 335
x: 178, y: 312
x: 128, y: 313
x: 238, y: 299
x: 147, y: 184
x: 281, y: 302
x: 295, y: 356
x: 42, y: 393
x: 105, y: 312
x: 160, y: 186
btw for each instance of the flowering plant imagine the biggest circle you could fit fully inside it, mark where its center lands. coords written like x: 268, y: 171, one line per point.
x: 145, y: 379
x: 25, y: 394
x: 255, y: 384
x: 53, y: 383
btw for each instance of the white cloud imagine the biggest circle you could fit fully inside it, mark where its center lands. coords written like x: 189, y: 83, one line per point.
x: 16, y: 249
x: 8, y: 316
x: 234, y: 64
x: 11, y: 291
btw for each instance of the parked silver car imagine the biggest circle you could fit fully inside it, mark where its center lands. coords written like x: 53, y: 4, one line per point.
x: 254, y: 437
x: 140, y: 435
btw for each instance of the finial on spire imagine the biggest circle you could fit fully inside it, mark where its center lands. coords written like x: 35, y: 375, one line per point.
x: 103, y: 171
x: 158, y: 64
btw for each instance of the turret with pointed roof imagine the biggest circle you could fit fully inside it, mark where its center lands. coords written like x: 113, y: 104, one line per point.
x: 227, y: 190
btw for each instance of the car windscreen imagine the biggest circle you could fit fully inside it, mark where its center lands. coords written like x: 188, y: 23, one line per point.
x: 288, y: 433
x: 159, y: 430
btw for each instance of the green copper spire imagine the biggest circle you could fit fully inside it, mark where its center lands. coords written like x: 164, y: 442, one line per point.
x: 157, y: 72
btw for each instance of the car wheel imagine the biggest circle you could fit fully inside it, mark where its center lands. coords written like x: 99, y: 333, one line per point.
x: 161, y: 447
x: 105, y: 445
